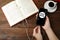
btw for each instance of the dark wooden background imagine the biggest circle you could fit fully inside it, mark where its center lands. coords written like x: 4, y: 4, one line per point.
x: 17, y: 32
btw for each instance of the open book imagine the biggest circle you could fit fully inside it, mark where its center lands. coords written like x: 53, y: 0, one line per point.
x: 19, y: 10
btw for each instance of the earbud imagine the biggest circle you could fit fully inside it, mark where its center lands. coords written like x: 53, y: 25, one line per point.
x: 41, y: 16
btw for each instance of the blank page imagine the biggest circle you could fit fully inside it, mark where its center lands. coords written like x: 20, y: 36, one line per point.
x: 12, y: 13
x: 28, y: 7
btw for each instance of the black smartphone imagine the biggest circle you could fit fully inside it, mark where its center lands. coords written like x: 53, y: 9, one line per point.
x: 41, y: 16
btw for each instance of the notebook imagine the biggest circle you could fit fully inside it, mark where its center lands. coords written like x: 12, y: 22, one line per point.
x: 18, y: 10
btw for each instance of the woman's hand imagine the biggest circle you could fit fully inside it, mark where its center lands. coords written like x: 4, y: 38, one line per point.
x: 47, y: 24
x: 37, y: 33
x: 51, y: 35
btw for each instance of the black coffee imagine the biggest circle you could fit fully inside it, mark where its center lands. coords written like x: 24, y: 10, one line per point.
x: 51, y: 4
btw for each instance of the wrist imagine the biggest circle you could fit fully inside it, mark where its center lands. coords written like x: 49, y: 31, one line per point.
x: 39, y: 37
x: 48, y: 28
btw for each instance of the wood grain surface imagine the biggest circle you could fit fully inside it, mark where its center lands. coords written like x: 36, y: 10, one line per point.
x: 17, y: 32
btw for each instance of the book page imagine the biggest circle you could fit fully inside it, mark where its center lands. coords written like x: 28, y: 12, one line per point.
x: 12, y: 13
x: 28, y: 7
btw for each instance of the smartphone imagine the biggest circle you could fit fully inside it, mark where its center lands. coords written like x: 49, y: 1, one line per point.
x: 41, y: 16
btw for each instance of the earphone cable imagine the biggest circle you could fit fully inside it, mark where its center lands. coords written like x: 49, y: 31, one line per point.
x: 26, y: 28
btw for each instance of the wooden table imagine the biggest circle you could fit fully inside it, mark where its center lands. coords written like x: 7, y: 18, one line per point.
x: 17, y: 32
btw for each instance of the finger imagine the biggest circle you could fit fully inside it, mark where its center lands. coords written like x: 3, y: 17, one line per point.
x: 34, y: 31
x: 38, y: 29
x: 36, y: 16
x: 47, y: 20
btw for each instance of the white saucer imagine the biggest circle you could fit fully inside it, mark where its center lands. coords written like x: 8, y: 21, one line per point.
x: 49, y: 9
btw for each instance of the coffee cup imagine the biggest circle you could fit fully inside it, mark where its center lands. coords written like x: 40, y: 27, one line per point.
x: 51, y: 6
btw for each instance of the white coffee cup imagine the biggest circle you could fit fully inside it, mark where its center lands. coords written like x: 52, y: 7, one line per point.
x: 51, y: 6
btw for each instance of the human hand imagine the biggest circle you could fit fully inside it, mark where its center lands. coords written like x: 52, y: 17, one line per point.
x: 47, y: 24
x: 51, y: 35
x: 37, y: 33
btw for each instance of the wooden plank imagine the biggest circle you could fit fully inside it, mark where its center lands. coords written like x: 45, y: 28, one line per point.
x: 18, y: 30
x: 15, y: 33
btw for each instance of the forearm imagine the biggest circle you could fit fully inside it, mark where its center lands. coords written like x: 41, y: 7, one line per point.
x: 51, y: 34
x: 39, y: 38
